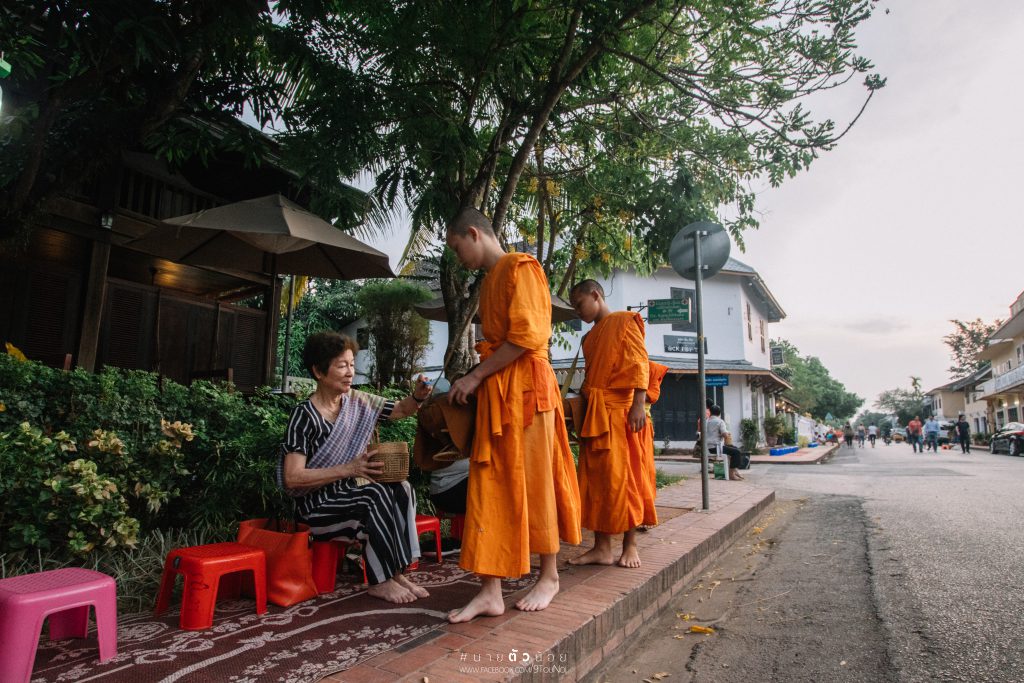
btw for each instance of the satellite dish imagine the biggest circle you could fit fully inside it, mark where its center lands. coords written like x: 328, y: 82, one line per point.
x: 714, y: 247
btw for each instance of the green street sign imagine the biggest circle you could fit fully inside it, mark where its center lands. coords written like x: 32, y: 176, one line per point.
x: 668, y: 311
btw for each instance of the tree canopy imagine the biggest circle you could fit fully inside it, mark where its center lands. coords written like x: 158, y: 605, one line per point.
x: 591, y: 131
x: 965, y: 342
x: 905, y: 404
x: 814, y: 388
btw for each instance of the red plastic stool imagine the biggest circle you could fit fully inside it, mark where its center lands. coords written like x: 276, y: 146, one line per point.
x: 203, y: 567
x: 62, y: 595
x: 326, y: 557
x: 458, y: 520
x: 426, y: 523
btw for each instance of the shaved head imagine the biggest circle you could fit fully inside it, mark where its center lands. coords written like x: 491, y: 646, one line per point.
x: 470, y: 218
x: 586, y: 287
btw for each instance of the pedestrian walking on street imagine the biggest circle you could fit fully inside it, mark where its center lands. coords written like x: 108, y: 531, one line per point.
x: 860, y: 436
x: 872, y: 434
x: 848, y: 435
x: 914, y: 434
x: 931, y: 434
x: 963, y: 432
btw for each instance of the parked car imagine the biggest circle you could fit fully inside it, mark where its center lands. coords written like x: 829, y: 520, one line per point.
x: 945, y: 436
x: 899, y: 434
x: 1009, y: 439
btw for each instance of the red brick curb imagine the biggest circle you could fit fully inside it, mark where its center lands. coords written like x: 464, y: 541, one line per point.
x: 597, y: 610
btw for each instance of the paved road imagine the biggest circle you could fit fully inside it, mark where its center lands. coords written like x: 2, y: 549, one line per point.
x: 878, y: 565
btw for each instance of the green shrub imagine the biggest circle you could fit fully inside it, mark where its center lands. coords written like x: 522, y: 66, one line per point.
x: 749, y: 434
x: 91, y: 462
x: 774, y: 425
x: 52, y: 499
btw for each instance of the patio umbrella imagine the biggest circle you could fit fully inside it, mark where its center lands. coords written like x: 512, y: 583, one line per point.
x: 434, y: 310
x: 265, y: 235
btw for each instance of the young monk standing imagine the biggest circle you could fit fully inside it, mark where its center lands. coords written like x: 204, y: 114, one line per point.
x: 522, y: 492
x: 616, y: 472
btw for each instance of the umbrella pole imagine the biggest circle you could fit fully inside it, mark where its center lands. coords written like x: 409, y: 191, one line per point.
x: 287, y: 335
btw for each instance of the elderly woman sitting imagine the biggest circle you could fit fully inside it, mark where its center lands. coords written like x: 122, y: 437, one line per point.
x: 325, y: 449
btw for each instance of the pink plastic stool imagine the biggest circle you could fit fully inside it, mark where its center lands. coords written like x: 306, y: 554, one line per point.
x: 62, y: 595
x: 204, y: 566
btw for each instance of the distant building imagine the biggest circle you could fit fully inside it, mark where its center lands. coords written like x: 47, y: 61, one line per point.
x: 1003, y: 392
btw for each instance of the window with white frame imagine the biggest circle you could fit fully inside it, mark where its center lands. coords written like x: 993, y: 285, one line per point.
x: 763, y: 335
x: 750, y: 324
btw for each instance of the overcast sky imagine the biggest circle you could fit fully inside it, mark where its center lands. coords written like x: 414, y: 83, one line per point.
x: 908, y: 223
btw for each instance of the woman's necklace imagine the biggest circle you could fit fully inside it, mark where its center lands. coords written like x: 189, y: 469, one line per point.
x: 329, y: 412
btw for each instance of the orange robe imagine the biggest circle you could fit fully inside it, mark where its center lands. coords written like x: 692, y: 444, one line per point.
x: 616, y: 470
x: 523, y: 495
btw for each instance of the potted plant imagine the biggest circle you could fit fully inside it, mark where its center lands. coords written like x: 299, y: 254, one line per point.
x: 774, y: 427
x: 749, y: 434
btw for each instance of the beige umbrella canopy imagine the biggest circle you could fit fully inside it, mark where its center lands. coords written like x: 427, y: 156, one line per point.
x: 434, y: 310
x: 266, y: 235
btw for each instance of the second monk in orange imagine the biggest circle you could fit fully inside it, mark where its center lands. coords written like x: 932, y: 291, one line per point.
x: 616, y: 471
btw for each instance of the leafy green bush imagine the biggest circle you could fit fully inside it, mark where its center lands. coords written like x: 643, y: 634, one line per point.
x: 774, y: 425
x: 90, y: 460
x: 749, y: 434
x: 50, y: 497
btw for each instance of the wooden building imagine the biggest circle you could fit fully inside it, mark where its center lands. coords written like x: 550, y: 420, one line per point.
x: 75, y: 296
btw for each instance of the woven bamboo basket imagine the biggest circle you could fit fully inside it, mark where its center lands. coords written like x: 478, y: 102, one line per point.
x: 394, y: 456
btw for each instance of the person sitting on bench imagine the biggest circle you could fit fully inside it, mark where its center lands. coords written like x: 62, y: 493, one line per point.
x: 718, y: 430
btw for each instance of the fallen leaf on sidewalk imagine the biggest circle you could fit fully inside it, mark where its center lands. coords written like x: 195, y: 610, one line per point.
x: 657, y: 677
x: 757, y: 530
x: 701, y: 629
x: 685, y: 616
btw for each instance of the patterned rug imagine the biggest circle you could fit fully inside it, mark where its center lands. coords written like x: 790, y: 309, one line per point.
x: 299, y: 644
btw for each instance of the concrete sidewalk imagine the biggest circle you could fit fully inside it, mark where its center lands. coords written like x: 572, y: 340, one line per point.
x: 804, y: 456
x: 597, y: 609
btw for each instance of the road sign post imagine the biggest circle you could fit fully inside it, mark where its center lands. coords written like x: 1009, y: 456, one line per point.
x: 696, y: 267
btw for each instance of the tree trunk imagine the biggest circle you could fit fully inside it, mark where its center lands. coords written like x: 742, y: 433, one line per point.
x: 461, y: 299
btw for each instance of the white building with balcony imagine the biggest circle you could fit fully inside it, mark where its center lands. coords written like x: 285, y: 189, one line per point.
x: 1004, y: 391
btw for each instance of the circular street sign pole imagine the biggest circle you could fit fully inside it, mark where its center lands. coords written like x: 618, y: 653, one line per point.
x: 698, y: 281
x: 710, y: 251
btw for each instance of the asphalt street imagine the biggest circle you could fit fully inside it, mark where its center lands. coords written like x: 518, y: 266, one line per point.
x: 878, y: 565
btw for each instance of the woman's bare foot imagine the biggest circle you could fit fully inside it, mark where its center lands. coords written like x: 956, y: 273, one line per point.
x: 630, y: 557
x: 487, y: 603
x: 594, y: 556
x: 392, y: 591
x: 418, y: 591
x: 540, y: 596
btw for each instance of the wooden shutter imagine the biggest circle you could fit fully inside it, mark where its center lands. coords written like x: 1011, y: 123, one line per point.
x: 126, y: 339
x: 247, y: 348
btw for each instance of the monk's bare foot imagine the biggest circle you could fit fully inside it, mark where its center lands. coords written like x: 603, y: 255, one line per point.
x: 540, y: 596
x: 418, y: 591
x: 485, y: 604
x: 392, y: 591
x: 594, y: 556
x: 630, y: 557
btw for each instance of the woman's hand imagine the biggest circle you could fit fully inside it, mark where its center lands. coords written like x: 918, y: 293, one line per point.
x: 422, y: 390
x: 362, y: 466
